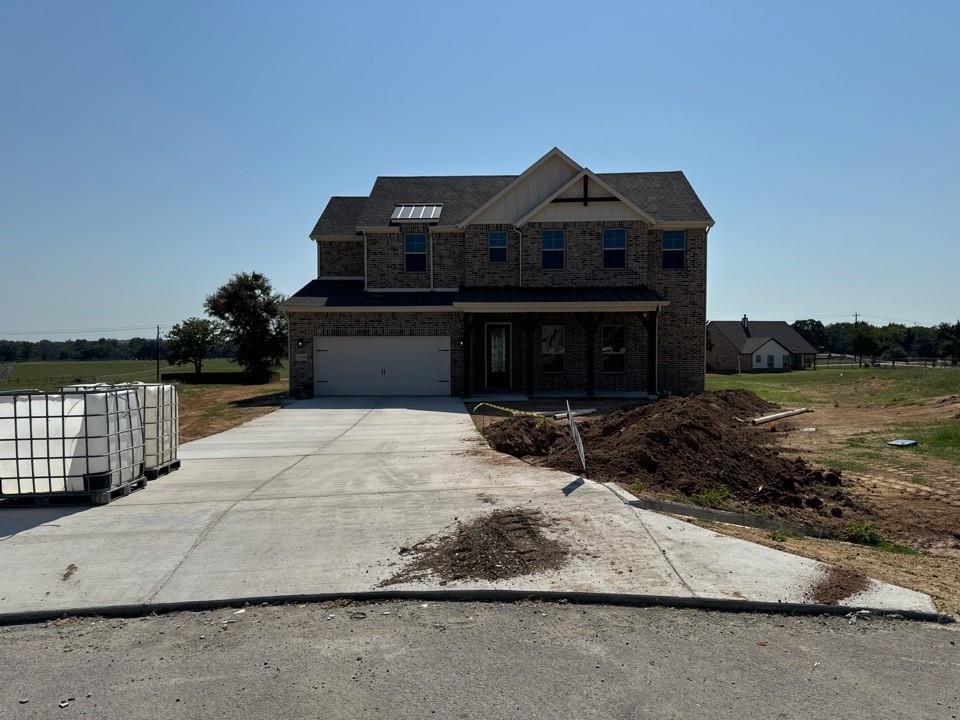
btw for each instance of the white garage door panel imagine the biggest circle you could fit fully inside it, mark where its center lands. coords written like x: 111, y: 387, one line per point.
x: 393, y: 365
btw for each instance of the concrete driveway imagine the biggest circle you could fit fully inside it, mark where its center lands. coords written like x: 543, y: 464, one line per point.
x: 317, y: 497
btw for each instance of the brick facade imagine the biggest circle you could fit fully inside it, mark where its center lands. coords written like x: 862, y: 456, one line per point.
x: 724, y: 357
x: 340, y: 258
x: 462, y: 259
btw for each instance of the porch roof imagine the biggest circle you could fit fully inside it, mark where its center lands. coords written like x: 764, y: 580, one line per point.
x: 558, y: 299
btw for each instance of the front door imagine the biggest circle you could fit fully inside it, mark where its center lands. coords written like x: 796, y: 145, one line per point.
x: 498, y: 356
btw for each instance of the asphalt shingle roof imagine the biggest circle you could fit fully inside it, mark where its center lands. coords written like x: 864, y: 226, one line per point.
x: 340, y: 216
x: 667, y: 196
x: 350, y: 293
x: 762, y: 330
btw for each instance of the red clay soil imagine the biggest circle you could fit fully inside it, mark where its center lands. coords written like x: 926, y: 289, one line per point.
x: 686, y: 446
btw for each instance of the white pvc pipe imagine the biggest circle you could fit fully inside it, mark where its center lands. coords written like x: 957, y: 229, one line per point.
x: 779, y: 416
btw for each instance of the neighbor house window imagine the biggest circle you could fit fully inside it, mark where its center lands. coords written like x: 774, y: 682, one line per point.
x: 786, y: 361
x: 614, y: 249
x: 553, y: 247
x: 553, y: 348
x: 614, y: 349
x: 415, y: 252
x: 674, y: 249
x: 497, y: 244
x: 758, y: 360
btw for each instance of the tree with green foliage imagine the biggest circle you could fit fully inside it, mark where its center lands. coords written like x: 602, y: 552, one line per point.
x: 191, y: 341
x: 253, y: 323
x: 812, y: 331
x: 948, y: 338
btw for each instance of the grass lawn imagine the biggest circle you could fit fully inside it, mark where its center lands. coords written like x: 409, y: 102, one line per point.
x: 210, y: 409
x: 882, y: 387
x: 51, y: 374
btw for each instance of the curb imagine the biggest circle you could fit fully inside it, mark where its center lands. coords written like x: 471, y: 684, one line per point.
x: 501, y: 596
x: 723, y: 516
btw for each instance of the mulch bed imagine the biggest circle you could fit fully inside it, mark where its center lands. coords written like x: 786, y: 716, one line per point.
x: 499, y: 545
x: 699, y: 447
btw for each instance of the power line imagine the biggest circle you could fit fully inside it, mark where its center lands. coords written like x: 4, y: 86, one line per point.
x: 151, y: 326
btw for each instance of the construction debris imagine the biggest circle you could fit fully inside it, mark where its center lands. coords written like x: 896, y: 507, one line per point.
x: 779, y: 416
x: 902, y: 442
x: 684, y: 446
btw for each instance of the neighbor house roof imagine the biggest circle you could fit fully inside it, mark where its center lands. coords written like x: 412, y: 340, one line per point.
x: 666, y: 196
x: 760, y: 331
x: 340, y: 216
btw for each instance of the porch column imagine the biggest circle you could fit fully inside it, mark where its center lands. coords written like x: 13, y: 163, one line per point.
x: 590, y: 321
x: 530, y: 321
x: 649, y: 320
x: 467, y: 349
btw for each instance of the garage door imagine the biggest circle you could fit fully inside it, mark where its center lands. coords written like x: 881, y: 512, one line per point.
x: 381, y: 365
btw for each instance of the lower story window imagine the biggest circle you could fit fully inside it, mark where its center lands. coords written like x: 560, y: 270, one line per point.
x: 614, y: 349
x: 553, y: 348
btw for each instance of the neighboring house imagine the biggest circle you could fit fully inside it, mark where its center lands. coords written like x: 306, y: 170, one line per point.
x: 555, y: 281
x: 749, y: 345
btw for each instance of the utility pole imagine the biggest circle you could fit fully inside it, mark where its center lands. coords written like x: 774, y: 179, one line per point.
x: 856, y: 339
x: 158, y: 353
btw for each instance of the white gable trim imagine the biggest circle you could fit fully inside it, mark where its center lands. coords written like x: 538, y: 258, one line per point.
x: 585, y: 172
x: 771, y: 340
x: 552, y: 153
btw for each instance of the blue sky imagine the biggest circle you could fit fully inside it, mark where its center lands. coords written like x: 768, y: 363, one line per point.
x: 150, y: 150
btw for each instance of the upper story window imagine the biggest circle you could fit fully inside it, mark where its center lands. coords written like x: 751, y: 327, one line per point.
x: 614, y: 249
x: 553, y: 348
x: 497, y: 245
x: 614, y: 349
x: 674, y: 249
x: 553, y: 250
x: 415, y: 252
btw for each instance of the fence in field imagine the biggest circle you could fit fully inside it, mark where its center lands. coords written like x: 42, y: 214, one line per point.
x: 837, y: 360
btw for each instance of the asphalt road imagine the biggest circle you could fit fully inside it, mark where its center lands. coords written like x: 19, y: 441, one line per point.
x: 452, y: 660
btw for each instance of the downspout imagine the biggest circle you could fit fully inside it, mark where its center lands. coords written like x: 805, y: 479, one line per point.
x: 430, y: 246
x: 363, y: 232
x: 520, y: 242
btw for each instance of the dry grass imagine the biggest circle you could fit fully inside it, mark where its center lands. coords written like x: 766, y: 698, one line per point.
x: 210, y: 409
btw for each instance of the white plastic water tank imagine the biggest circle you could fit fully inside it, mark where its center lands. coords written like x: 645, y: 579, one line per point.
x: 73, y: 441
x: 161, y: 417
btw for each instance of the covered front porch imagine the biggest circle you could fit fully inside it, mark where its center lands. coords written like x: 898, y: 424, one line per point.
x: 538, y: 342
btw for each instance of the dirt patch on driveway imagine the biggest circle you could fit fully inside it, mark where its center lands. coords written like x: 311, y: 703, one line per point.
x: 496, y: 546
x: 836, y: 585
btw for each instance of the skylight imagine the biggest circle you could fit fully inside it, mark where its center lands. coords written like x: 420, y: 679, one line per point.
x: 417, y: 213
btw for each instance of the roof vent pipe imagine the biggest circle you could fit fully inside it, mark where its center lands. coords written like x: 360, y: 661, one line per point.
x: 745, y: 324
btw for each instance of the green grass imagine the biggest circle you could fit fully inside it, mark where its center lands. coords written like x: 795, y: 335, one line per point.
x: 714, y: 497
x: 848, y: 386
x: 51, y: 374
x: 863, y: 533
x: 939, y: 440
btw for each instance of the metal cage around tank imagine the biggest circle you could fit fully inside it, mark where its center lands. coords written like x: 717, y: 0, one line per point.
x: 79, y: 441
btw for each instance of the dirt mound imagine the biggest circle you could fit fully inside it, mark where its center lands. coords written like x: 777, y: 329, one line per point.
x: 523, y: 436
x: 502, y: 544
x: 698, y: 446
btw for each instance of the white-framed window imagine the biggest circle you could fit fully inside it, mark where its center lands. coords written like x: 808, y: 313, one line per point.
x: 674, y: 249
x: 614, y: 249
x: 497, y: 246
x: 553, y: 347
x: 614, y: 355
x: 415, y: 252
x: 554, y: 245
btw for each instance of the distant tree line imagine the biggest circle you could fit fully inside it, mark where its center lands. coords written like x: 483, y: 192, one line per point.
x: 16, y: 351
x: 893, y: 341
x: 245, y: 323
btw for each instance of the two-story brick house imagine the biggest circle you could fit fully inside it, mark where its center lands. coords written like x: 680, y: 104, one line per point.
x: 557, y: 280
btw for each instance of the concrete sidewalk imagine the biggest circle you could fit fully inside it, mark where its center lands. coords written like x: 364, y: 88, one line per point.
x: 317, y: 497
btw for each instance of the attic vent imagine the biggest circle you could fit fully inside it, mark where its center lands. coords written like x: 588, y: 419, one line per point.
x: 417, y: 213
